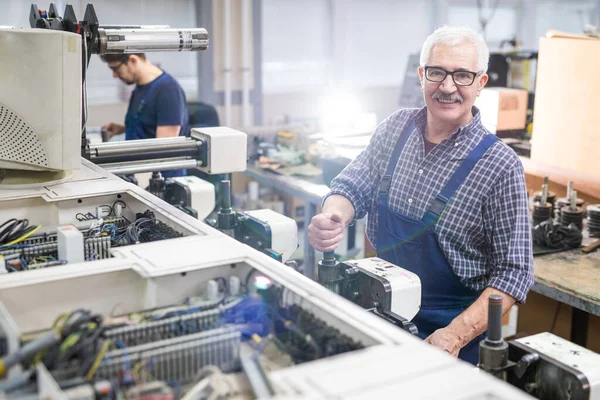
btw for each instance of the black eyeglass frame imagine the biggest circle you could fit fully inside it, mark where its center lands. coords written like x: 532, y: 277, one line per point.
x: 451, y: 73
x: 116, y: 68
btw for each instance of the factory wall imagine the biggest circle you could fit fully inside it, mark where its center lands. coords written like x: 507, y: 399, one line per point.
x: 311, y: 47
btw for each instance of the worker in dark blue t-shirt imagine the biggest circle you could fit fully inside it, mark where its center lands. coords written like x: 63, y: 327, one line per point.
x: 157, y: 107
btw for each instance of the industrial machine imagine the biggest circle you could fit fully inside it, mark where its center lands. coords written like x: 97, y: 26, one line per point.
x: 41, y: 135
x: 382, y: 288
x: 129, y: 297
x: 544, y: 365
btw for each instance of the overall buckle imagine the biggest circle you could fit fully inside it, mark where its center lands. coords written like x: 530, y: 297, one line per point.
x: 384, y: 185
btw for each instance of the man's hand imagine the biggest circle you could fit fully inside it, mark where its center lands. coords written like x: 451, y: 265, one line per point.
x: 326, y: 230
x: 445, y: 339
x: 113, y: 129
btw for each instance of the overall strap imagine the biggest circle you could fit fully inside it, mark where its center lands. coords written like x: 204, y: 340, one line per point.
x: 456, y: 180
x: 384, y: 184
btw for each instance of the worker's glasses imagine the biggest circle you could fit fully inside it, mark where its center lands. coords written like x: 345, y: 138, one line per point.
x: 116, y: 68
x: 460, y: 78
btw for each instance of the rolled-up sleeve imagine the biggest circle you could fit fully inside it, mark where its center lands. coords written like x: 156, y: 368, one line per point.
x: 359, y: 180
x: 506, y: 217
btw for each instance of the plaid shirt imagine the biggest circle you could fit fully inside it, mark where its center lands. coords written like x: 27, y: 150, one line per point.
x: 484, y: 231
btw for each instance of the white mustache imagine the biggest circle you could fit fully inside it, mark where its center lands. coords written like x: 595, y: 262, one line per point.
x: 448, y: 97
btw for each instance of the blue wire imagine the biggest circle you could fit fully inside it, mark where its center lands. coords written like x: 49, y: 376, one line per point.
x: 121, y: 346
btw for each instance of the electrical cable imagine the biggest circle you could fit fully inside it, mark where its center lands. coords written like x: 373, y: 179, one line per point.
x: 27, y: 234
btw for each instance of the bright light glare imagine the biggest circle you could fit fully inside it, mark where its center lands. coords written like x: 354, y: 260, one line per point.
x: 339, y: 111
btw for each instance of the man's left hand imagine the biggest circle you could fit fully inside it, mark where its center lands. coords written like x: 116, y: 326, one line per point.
x: 446, y: 340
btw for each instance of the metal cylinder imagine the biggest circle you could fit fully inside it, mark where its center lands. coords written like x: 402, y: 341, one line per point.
x: 147, y: 150
x: 138, y: 143
x: 495, y: 318
x: 493, y: 350
x: 138, y: 167
x: 329, y: 274
x: 129, y: 41
x: 225, y: 194
x: 134, y: 27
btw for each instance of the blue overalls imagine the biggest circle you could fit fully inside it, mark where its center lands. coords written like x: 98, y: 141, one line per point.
x: 413, y: 245
x: 134, y: 128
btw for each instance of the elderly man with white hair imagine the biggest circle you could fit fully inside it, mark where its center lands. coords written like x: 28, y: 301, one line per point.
x: 446, y: 199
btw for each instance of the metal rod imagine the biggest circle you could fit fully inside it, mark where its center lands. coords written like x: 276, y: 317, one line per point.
x: 150, y: 149
x: 134, y: 27
x: 226, y: 195
x: 544, y: 194
x: 143, y: 147
x: 129, y: 41
x: 138, y: 167
x: 138, y: 143
x: 569, y: 189
x: 495, y: 318
x: 573, y: 201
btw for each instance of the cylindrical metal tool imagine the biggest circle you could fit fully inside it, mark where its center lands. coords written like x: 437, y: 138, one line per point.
x: 329, y: 273
x: 138, y: 167
x: 148, y: 149
x: 493, y: 350
x: 565, y: 201
x: 226, y: 217
x: 129, y: 41
x: 572, y: 214
x: 545, y: 195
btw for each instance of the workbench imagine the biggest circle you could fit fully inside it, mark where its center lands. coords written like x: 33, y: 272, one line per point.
x: 572, y: 278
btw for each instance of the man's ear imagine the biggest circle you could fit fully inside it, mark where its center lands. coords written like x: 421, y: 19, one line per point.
x: 421, y: 72
x: 482, y: 81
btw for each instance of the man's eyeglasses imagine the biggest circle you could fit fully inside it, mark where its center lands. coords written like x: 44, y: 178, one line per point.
x: 116, y: 67
x: 460, y: 78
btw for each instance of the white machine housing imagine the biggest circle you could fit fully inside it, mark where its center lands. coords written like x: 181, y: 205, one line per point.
x: 201, y: 194
x: 579, y: 358
x: 226, y: 149
x: 40, y: 99
x: 405, y: 286
x: 284, y: 231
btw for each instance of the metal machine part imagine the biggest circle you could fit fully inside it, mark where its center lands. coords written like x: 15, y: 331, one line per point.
x: 95, y: 39
x: 543, y: 365
x: 330, y: 272
x: 215, y: 150
x: 128, y: 41
x: 493, y: 351
x: 265, y: 230
x: 385, y: 289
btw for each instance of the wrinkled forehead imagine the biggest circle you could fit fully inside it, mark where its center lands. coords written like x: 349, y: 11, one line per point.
x: 453, y: 58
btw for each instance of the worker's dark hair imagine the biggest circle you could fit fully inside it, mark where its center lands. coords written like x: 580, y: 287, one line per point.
x: 120, y: 57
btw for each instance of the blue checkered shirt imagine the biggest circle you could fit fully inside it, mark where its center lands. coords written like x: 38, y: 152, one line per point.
x: 484, y: 231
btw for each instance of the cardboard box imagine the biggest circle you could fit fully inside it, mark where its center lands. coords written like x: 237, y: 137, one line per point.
x: 502, y: 108
x: 294, y: 208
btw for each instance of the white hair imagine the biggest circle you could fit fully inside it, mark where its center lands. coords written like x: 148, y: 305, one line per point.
x: 454, y: 36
